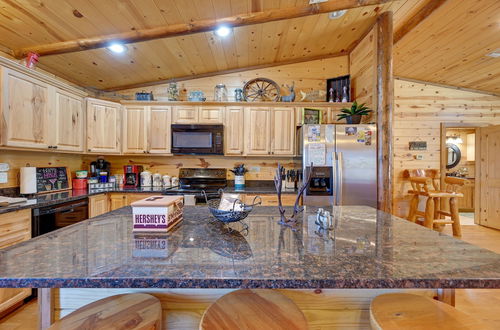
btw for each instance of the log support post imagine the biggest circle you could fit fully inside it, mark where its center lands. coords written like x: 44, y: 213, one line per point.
x: 45, y: 308
x: 385, y: 104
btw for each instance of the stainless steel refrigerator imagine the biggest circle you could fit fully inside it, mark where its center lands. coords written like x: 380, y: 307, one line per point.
x: 344, y: 159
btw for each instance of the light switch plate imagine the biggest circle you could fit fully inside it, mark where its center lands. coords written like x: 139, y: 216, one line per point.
x: 255, y: 169
x: 419, y: 157
x: 3, y: 177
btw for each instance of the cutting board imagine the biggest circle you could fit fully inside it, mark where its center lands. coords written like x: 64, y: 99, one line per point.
x: 6, y: 201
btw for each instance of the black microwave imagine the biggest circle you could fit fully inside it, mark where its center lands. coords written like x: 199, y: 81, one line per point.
x: 197, y: 139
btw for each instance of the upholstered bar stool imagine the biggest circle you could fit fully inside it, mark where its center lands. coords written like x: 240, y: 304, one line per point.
x: 409, y: 311
x: 425, y: 184
x: 125, y: 312
x: 253, y: 309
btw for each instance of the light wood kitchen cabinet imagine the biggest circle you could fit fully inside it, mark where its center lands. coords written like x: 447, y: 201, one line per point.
x: 25, y: 111
x: 146, y: 129
x: 234, y: 131
x: 15, y: 227
x: 210, y: 115
x: 269, y: 131
x: 159, y: 131
x: 118, y: 200
x: 70, y: 122
x: 258, y: 132
x: 466, y: 203
x: 98, y: 205
x: 272, y: 199
x: 282, y: 131
x: 135, y: 120
x: 185, y: 114
x: 104, y: 127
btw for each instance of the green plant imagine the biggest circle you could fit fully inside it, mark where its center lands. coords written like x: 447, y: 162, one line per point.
x: 354, y: 110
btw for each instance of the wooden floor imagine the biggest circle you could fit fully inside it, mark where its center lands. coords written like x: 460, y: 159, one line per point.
x: 483, y: 304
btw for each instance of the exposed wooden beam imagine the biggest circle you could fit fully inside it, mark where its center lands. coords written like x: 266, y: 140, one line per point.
x: 168, y: 31
x: 416, y: 19
x: 216, y: 73
x: 385, y: 111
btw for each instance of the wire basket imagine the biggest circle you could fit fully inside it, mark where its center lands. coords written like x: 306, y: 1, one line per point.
x: 233, y: 215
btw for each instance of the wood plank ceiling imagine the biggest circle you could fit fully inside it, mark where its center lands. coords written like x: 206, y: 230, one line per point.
x: 25, y: 23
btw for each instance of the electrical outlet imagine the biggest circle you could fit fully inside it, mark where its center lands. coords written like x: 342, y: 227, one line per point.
x: 255, y: 169
x: 419, y: 157
x: 3, y: 177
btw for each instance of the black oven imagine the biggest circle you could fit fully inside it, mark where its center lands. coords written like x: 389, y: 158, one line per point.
x: 197, y: 139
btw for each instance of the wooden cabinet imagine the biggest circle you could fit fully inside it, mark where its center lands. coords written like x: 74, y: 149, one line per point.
x: 146, y: 129
x: 258, y: 132
x: 69, y: 116
x: 466, y: 203
x: 210, y: 115
x: 103, y: 126
x: 15, y: 227
x: 159, y: 131
x: 270, y: 131
x: 282, y: 131
x: 272, y: 199
x: 25, y: 111
x: 198, y: 115
x: 118, y: 200
x: 135, y: 129
x: 234, y: 131
x: 98, y: 205
x: 185, y: 114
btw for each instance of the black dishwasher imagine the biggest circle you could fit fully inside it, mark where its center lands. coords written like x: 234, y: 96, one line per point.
x: 49, y: 218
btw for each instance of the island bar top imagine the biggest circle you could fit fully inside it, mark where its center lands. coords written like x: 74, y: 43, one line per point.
x: 367, y: 249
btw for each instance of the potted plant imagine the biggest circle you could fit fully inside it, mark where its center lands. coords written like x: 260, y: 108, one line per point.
x: 239, y: 176
x: 353, y: 114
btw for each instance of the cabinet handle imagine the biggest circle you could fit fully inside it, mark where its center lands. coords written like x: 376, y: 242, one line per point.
x: 50, y: 147
x: 55, y: 147
x: 89, y: 150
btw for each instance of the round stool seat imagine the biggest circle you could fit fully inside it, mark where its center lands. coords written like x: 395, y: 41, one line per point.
x: 253, y: 309
x: 410, y: 311
x: 124, y: 312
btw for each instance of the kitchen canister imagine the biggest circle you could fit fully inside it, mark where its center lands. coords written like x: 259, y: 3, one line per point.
x: 239, y: 182
x: 166, y: 181
x: 146, y: 179
x: 157, y: 180
x: 220, y: 93
x: 175, y: 181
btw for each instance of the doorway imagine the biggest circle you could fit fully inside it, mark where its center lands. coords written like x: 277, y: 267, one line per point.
x: 458, y: 159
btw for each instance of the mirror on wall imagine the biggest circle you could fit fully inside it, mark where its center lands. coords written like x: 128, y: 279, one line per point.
x: 454, y: 155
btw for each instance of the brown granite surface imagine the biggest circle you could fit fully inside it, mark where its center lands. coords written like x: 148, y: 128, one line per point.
x: 367, y: 249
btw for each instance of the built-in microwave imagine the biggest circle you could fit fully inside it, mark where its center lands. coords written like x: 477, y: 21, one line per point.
x: 197, y: 139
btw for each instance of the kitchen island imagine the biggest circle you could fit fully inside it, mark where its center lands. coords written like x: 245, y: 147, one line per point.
x: 202, y: 259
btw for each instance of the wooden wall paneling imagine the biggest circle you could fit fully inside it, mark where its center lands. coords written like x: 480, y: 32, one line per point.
x: 419, y: 111
x: 362, y: 63
x: 385, y: 112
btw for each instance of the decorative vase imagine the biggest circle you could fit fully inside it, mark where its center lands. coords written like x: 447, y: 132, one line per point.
x: 239, y: 181
x: 354, y: 119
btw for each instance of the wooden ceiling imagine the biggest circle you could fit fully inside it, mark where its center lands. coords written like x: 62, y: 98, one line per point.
x: 450, y: 46
x: 25, y: 23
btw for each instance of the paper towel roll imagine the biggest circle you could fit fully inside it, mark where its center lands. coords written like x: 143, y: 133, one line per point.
x: 28, y: 180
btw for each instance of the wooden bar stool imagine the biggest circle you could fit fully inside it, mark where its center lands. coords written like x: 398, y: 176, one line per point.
x: 125, y: 312
x: 425, y: 184
x: 253, y: 309
x: 409, y: 311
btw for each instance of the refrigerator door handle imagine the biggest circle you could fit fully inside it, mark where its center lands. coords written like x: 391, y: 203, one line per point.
x: 340, y: 179
x: 335, y: 179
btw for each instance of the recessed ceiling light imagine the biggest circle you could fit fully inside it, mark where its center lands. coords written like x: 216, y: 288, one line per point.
x: 337, y: 14
x: 117, y: 48
x: 495, y: 53
x: 223, y: 31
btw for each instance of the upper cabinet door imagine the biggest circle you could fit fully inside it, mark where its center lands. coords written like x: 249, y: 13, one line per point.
x: 70, y: 122
x: 103, y: 126
x: 282, y: 131
x: 211, y: 115
x: 234, y: 131
x: 159, y: 129
x: 185, y: 115
x: 25, y: 111
x: 135, y: 129
x: 257, y: 132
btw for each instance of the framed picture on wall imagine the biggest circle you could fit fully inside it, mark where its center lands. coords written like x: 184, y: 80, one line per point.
x: 311, y: 116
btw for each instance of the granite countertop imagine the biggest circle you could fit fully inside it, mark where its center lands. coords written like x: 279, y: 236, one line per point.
x: 73, y: 195
x: 367, y: 249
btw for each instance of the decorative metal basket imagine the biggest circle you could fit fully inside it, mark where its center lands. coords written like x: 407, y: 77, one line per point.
x: 233, y: 215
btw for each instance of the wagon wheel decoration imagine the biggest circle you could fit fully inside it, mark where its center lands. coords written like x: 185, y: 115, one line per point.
x: 261, y: 89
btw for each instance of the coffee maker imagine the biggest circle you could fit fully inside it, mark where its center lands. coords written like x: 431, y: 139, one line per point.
x: 98, y: 166
x: 132, y: 176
